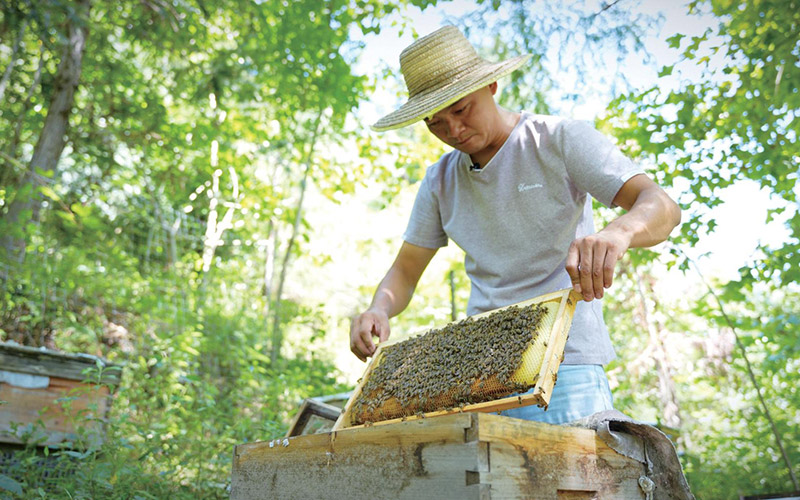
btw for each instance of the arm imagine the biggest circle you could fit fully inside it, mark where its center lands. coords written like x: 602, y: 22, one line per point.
x: 651, y: 216
x: 391, y: 298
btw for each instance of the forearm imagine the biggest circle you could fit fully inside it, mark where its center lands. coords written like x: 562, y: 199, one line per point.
x: 649, y: 221
x: 394, y: 293
x: 651, y: 215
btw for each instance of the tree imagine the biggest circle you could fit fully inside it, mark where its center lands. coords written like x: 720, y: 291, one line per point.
x: 50, y: 144
x: 735, y: 122
x: 195, y: 132
x: 578, y: 48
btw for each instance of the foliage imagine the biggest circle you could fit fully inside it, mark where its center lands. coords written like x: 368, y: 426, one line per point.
x: 725, y: 113
x: 173, y: 218
x: 171, y: 433
x: 578, y: 48
x: 175, y: 235
x: 734, y: 121
x: 723, y: 430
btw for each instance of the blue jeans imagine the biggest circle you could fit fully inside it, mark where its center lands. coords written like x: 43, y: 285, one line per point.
x: 581, y: 390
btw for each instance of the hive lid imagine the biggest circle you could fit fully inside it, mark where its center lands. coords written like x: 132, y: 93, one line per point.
x: 47, y: 362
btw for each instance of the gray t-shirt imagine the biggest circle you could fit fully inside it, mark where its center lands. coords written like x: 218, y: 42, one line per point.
x: 516, y: 217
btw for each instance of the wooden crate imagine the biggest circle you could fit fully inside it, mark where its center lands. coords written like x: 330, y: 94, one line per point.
x: 462, y: 456
x: 313, y: 416
x: 541, y: 359
x: 47, y: 397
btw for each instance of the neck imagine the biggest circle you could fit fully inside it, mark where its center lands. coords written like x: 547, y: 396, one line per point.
x: 505, y: 122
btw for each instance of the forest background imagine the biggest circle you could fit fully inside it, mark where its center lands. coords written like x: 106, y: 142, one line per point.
x: 190, y: 189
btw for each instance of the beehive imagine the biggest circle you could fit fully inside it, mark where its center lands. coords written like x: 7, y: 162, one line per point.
x: 405, y: 379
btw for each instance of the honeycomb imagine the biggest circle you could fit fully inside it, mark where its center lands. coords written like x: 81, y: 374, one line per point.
x: 479, y: 359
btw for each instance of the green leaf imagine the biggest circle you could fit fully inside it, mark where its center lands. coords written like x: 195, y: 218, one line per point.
x: 675, y: 40
x: 48, y: 192
x: 665, y: 71
x: 8, y: 484
x: 80, y: 210
x: 44, y: 172
x: 78, y: 455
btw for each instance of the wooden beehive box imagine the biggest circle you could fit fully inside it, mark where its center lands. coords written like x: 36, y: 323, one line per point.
x: 539, y: 364
x: 47, y: 397
x: 460, y: 456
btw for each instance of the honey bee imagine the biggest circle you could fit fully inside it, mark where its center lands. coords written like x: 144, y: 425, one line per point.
x: 449, y: 367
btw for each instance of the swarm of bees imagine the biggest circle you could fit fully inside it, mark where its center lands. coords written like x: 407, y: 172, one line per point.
x: 462, y: 363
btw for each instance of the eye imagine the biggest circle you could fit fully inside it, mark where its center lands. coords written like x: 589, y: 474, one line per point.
x: 460, y: 110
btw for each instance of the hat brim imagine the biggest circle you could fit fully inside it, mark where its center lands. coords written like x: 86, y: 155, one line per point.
x: 427, y: 104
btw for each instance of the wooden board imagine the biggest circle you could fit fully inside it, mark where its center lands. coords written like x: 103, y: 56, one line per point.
x: 464, y: 456
x: 87, y: 405
x: 563, y: 301
x: 23, y: 359
x: 532, y: 459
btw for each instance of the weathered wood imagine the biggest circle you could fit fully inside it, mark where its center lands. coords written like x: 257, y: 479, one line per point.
x: 69, y: 400
x: 309, y: 408
x: 545, y: 462
x: 87, y: 407
x: 22, y: 359
x: 463, y: 456
x: 428, y: 461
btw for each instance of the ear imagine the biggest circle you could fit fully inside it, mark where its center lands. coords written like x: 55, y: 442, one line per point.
x: 493, y: 88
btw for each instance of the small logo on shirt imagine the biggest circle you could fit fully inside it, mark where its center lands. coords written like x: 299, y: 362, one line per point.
x: 527, y: 187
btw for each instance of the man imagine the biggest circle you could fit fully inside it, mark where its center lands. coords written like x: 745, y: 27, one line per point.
x: 515, y: 195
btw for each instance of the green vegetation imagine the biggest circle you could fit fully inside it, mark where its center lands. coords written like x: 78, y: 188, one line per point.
x: 162, y: 165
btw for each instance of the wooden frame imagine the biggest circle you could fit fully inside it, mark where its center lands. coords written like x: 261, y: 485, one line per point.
x: 566, y: 301
x: 309, y: 408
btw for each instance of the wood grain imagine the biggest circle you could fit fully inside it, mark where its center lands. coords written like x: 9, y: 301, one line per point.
x: 464, y: 456
x: 86, y: 405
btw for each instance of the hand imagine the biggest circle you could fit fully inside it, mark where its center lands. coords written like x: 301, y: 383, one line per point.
x: 371, y: 323
x: 591, y: 261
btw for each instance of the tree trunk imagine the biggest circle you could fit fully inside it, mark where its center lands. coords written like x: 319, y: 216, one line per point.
x: 51, y: 141
x: 37, y: 78
x: 277, y: 332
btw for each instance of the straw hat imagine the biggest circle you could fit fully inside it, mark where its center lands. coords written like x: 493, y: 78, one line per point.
x: 439, y: 69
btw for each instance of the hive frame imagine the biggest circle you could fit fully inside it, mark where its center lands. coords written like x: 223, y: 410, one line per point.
x: 546, y: 378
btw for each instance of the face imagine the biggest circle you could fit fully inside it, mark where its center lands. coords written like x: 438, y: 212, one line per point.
x: 469, y: 124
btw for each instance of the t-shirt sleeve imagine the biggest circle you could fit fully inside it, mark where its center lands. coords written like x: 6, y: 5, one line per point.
x: 425, y: 224
x: 593, y: 162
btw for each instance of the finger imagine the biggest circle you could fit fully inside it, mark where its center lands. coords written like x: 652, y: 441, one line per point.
x: 608, y: 268
x: 366, y: 337
x: 383, y: 330
x: 586, y: 272
x: 598, y: 265
x: 355, y: 348
x: 572, y: 267
x: 361, y: 338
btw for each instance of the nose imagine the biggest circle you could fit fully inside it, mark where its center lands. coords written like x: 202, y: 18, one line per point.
x: 454, y: 128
